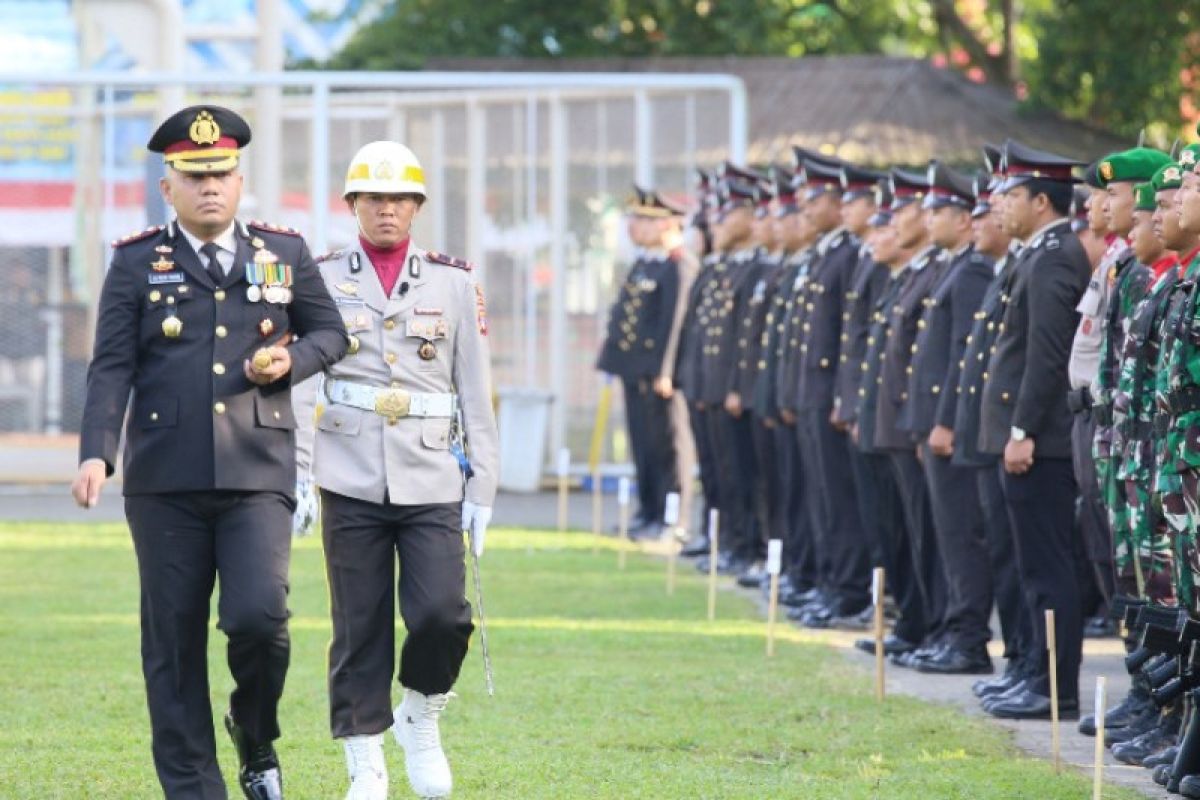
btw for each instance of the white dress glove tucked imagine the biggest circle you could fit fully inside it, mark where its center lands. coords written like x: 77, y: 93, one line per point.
x: 308, y: 508
x: 475, y: 520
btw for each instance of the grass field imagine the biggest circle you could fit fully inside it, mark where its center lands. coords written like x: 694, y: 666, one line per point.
x: 606, y: 688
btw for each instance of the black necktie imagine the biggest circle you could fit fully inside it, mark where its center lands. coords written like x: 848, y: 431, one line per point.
x: 213, y: 267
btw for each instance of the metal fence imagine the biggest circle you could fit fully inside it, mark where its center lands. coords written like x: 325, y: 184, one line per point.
x: 526, y: 176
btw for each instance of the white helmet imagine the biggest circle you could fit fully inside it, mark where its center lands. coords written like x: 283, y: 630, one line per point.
x: 384, y: 168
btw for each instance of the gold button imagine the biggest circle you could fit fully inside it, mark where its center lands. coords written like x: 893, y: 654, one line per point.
x: 155, y: 296
x: 991, y: 326
x: 904, y: 395
x: 219, y: 369
x: 862, y: 392
x: 395, y: 384
x: 1004, y: 396
x: 958, y: 390
x: 845, y: 337
x: 222, y: 331
x: 219, y: 295
x: 824, y: 363
x: 219, y: 407
x: 908, y: 370
x: 276, y: 415
x: 913, y: 349
x: 337, y: 423
x: 389, y: 324
x: 985, y: 376
x: 390, y: 358
x: 936, y: 389
x: 921, y: 324
x: 153, y: 416
x: 972, y: 390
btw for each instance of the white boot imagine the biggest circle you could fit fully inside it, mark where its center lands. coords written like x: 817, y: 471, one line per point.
x: 368, y: 770
x: 416, y: 729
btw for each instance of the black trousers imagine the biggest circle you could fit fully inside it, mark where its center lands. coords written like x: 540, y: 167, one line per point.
x: 362, y: 541
x: 797, y: 504
x: 1040, y: 507
x: 896, y: 558
x: 868, y: 493
x: 1016, y: 626
x: 768, y: 487
x: 747, y: 544
x: 927, y: 571
x: 186, y: 543
x: 1095, y: 532
x: 653, y: 450
x: 708, y: 464
x: 962, y: 545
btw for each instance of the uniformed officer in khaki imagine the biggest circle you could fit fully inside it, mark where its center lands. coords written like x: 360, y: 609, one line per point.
x: 387, y: 436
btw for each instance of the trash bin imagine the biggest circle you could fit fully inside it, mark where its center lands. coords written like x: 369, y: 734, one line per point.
x: 524, y: 417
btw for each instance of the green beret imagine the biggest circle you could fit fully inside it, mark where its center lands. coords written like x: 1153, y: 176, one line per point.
x: 1169, y: 176
x: 1138, y: 164
x: 1143, y: 194
x: 1189, y: 156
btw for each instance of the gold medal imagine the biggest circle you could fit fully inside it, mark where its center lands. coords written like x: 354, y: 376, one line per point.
x: 262, y: 359
x: 266, y: 327
x: 427, y: 351
x: 172, y: 327
x: 354, y: 345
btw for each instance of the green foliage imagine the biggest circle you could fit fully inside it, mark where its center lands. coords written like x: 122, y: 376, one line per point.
x: 606, y: 688
x: 1115, y: 65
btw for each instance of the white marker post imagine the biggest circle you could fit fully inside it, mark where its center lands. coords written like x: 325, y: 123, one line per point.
x: 597, y: 506
x: 877, y: 603
x: 622, y: 520
x: 1053, y: 648
x: 670, y: 525
x: 774, y: 562
x: 564, y: 469
x: 1098, y: 778
x: 714, y: 520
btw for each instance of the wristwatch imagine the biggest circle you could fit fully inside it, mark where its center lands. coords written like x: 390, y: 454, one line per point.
x: 1018, y: 434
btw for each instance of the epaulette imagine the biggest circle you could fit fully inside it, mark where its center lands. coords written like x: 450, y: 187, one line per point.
x: 1053, y: 242
x: 137, y: 237
x: 449, y: 261
x: 272, y: 228
x: 332, y: 255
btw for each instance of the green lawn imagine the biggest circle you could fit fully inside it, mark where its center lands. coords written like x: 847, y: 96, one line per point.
x: 606, y: 688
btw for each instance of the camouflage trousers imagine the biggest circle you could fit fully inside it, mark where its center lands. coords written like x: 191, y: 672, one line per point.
x: 1113, y: 495
x: 1149, y: 537
x: 1180, y: 499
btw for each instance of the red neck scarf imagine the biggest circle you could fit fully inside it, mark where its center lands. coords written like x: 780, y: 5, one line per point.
x: 388, y: 262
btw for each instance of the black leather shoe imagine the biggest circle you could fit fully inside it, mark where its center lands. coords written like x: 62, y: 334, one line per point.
x: 697, y: 546
x: 1165, y: 756
x: 955, y: 661
x: 994, y: 686
x: 753, y: 576
x: 1155, y: 740
x: 1099, y: 628
x: 1136, y: 727
x: 1135, y: 704
x: 1028, y: 705
x: 793, y: 598
x: 1190, y: 786
x: 259, y: 774
x: 892, y: 645
x: 1012, y: 691
x: 1162, y: 774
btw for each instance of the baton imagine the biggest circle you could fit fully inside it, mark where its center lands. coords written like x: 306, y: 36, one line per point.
x: 487, y: 659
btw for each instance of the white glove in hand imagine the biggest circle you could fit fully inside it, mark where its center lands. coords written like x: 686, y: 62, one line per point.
x: 475, y: 520
x: 308, y: 508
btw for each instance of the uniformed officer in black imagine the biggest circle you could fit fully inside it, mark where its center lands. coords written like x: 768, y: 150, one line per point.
x: 993, y: 241
x: 892, y: 434
x: 206, y: 324
x: 638, y: 328
x: 1025, y: 417
x: 942, y: 332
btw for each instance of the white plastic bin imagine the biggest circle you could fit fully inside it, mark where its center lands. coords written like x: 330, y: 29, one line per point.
x: 523, y: 420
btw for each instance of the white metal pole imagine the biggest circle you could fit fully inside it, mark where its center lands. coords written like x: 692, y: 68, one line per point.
x: 558, y: 263
x: 437, y: 168
x: 319, y: 180
x: 267, y: 152
x: 643, y: 140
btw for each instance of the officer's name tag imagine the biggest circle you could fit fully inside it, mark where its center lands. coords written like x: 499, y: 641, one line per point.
x: 165, y: 277
x: 349, y: 301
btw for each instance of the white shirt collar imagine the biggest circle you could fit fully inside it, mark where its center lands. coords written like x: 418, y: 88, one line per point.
x: 1036, y: 238
x: 225, y: 240
x: 827, y: 239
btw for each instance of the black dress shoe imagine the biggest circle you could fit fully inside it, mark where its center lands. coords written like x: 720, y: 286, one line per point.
x: 1135, y: 704
x: 1028, y: 705
x: 1162, y: 774
x: 1099, y: 628
x: 994, y: 686
x: 956, y: 661
x: 793, y: 598
x: 1190, y: 786
x: 698, y: 546
x: 1155, y: 740
x: 1164, y: 756
x: 892, y: 644
x: 753, y: 576
x: 1136, y: 727
x: 259, y: 774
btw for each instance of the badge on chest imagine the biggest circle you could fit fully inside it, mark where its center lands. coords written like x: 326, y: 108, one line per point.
x: 428, y: 331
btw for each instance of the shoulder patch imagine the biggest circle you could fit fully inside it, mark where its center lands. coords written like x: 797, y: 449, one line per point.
x: 137, y: 237
x: 272, y: 228
x: 332, y: 255
x: 449, y: 261
x: 1053, y: 244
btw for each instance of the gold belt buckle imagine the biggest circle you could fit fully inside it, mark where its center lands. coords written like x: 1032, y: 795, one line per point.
x: 392, y: 404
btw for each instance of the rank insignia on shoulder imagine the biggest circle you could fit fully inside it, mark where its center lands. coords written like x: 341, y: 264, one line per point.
x: 137, y: 237
x: 449, y: 261
x: 1053, y: 243
x: 273, y: 228
x: 480, y: 311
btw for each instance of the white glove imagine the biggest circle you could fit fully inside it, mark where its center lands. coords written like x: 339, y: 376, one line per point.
x: 475, y: 520
x: 308, y: 508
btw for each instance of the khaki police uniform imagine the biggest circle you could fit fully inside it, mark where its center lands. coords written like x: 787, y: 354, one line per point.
x: 384, y: 454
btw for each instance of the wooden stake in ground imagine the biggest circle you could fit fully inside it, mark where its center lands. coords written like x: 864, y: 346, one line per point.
x: 1053, y: 651
x: 714, y: 519
x: 564, y: 468
x: 774, y: 561
x: 877, y: 602
x: 1098, y: 778
x: 670, y: 526
x: 622, y: 521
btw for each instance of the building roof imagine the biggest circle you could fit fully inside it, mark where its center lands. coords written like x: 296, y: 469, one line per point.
x: 873, y: 110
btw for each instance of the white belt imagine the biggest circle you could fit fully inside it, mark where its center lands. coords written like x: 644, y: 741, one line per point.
x: 391, y: 402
